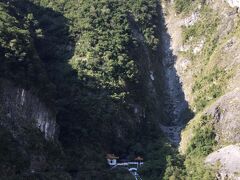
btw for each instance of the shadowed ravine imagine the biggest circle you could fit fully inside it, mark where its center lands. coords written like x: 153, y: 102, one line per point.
x: 176, y: 108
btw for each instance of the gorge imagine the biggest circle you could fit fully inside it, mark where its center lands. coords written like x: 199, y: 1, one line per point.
x: 81, y: 79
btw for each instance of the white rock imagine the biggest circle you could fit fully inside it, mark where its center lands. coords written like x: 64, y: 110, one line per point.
x: 233, y: 3
x: 229, y: 159
x: 198, y: 47
x: 189, y: 21
x: 151, y: 76
x: 24, y: 108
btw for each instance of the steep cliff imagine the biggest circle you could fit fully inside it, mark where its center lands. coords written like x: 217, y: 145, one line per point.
x: 30, y: 146
x: 205, y: 39
x: 82, y: 78
x: 23, y: 109
x: 28, y: 134
x: 93, y: 68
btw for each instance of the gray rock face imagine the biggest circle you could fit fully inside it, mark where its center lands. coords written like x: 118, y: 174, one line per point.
x: 173, y: 133
x: 23, y: 109
x: 228, y: 160
x: 176, y: 109
x: 174, y: 98
x: 226, y: 117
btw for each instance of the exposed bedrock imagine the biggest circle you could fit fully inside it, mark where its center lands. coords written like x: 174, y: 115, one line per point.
x: 175, y: 106
x: 21, y: 108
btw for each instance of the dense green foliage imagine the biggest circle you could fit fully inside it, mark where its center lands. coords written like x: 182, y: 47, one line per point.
x: 191, y: 165
x: 79, y: 57
x: 11, y: 158
x: 82, y: 58
x: 162, y: 161
x: 102, y: 52
x: 200, y: 146
x: 209, y: 87
x: 19, y: 60
x: 101, y: 55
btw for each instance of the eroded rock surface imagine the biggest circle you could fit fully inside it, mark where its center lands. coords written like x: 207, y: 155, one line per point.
x: 228, y: 158
x: 23, y: 109
x: 226, y: 117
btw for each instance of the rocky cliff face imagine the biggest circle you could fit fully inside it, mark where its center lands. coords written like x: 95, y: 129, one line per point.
x: 175, y: 107
x: 192, y: 63
x: 174, y: 98
x: 150, y: 76
x: 22, y: 108
x: 225, y: 113
x: 207, y: 62
x: 228, y: 158
x: 28, y: 125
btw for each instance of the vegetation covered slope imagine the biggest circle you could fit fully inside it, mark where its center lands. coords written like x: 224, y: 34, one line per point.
x: 92, y: 62
x: 208, y: 64
x: 87, y: 60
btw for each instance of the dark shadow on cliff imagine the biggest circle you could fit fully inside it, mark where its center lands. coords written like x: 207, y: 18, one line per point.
x: 87, y: 123
x: 86, y: 114
x: 176, y: 109
x: 79, y: 132
x: 39, y: 71
x: 82, y: 133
